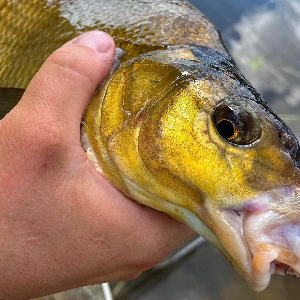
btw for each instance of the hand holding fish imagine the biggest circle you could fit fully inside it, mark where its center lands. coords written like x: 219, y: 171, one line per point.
x: 62, y: 224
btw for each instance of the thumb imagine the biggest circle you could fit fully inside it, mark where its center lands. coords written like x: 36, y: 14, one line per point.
x: 62, y: 88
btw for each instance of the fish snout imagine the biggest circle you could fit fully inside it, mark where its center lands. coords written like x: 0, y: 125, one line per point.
x: 262, y: 235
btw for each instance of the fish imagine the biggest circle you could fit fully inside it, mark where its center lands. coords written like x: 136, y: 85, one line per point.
x: 177, y: 126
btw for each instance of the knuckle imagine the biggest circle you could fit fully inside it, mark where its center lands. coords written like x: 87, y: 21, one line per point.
x: 30, y: 146
x: 73, y: 61
x: 45, y: 138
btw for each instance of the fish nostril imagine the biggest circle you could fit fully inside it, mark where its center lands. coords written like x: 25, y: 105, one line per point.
x: 289, y: 142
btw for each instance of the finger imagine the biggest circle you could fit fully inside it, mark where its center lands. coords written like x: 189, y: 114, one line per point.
x: 147, y: 234
x: 64, y: 85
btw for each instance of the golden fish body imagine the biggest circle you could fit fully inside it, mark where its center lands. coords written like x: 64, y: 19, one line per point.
x: 177, y: 127
x: 31, y: 31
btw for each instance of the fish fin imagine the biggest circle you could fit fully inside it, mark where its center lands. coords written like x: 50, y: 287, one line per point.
x: 9, y: 98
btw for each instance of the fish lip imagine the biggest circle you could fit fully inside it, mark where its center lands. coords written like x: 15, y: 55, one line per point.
x: 281, y: 206
x: 262, y: 201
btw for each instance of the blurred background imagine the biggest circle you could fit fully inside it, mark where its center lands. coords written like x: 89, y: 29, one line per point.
x: 263, y: 37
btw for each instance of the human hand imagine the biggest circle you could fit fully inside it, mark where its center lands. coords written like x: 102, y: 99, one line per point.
x: 62, y: 225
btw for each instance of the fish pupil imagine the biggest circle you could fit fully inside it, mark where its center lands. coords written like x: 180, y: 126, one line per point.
x: 226, y: 128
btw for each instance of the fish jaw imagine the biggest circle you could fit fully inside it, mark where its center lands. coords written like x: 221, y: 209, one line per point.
x: 261, y: 235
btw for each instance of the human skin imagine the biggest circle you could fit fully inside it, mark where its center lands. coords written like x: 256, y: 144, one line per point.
x: 62, y: 225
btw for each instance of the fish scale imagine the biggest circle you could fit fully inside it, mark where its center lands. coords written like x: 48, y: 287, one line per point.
x: 137, y: 27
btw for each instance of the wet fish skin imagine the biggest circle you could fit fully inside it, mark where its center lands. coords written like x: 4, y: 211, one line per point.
x: 160, y: 146
x: 177, y: 127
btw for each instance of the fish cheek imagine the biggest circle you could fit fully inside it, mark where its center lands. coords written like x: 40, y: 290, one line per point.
x: 177, y: 144
x: 231, y: 167
x: 163, y: 144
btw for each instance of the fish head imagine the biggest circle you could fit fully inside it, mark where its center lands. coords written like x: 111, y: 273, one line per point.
x: 182, y: 131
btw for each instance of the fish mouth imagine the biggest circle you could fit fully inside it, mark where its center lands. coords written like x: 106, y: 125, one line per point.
x: 259, y: 237
x: 262, y: 235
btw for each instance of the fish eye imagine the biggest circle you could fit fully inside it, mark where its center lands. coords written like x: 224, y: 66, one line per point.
x: 289, y: 141
x: 227, y: 129
x: 236, y: 123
